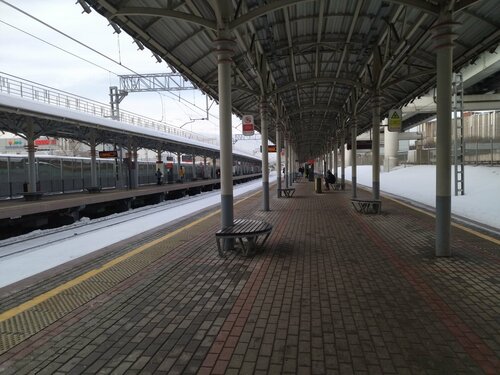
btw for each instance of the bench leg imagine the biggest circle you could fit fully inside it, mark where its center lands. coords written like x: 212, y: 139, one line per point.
x: 221, y: 248
x: 244, y: 248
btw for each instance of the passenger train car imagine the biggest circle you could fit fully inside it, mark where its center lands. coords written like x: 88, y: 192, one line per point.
x: 61, y: 174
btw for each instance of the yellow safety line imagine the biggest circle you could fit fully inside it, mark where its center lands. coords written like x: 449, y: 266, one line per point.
x: 459, y: 226
x: 51, y: 293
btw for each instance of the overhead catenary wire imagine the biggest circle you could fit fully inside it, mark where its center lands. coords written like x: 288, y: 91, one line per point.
x: 85, y: 46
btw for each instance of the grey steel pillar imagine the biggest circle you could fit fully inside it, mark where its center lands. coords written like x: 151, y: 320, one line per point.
x: 278, y: 160
x: 120, y: 183
x: 336, y: 158
x: 443, y: 35
x: 376, y: 146
x: 391, y: 146
x: 30, y: 138
x: 224, y: 50
x: 342, y: 167
x: 179, y: 165
x: 93, y: 163
x: 135, y: 170
x: 354, y: 165
x: 265, y: 154
x: 287, y: 153
x: 194, y: 166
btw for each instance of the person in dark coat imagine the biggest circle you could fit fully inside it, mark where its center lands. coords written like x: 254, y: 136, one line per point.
x: 158, y: 176
x: 329, y: 179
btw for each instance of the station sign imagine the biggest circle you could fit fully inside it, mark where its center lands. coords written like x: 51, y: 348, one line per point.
x: 270, y: 148
x: 169, y: 165
x: 46, y: 142
x: 395, y: 121
x: 361, y: 145
x: 186, y: 158
x: 248, y: 126
x: 108, y: 154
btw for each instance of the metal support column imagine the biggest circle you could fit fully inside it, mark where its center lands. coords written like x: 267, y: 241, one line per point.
x: 443, y: 35
x: 342, y: 168
x: 194, y: 167
x: 30, y: 138
x: 287, y: 153
x: 265, y: 155
x: 459, y: 146
x: 135, y: 168
x: 224, y: 50
x: 336, y: 157
x: 354, y: 161
x: 376, y: 145
x: 93, y: 163
x: 278, y: 160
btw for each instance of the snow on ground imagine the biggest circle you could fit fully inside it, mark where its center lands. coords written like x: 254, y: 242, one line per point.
x: 480, y: 203
x: 46, y: 255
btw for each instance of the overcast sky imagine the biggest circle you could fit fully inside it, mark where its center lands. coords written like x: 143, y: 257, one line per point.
x: 24, y: 56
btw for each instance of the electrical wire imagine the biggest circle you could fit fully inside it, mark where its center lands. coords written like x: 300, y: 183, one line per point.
x: 82, y: 44
x: 59, y: 48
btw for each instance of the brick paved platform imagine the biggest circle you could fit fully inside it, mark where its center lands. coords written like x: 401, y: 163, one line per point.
x: 336, y: 292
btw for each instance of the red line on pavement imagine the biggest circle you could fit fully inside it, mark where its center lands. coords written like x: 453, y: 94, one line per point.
x: 222, y: 349
x: 473, y: 345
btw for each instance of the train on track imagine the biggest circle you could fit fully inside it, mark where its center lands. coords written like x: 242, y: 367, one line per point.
x: 63, y: 174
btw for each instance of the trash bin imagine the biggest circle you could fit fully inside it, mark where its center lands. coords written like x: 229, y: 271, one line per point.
x: 317, y: 185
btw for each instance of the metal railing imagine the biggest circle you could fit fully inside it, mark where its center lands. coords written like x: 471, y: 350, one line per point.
x: 26, y: 89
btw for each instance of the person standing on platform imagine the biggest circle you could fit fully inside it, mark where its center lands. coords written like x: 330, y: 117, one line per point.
x: 181, y: 173
x: 158, y: 176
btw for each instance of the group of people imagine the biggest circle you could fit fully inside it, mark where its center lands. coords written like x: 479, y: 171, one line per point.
x: 159, y: 175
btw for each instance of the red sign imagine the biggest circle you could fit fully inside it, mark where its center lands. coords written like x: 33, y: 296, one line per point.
x: 169, y: 165
x: 45, y: 142
x: 247, y: 125
x: 248, y: 129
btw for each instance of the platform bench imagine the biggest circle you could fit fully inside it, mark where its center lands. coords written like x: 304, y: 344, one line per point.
x: 367, y: 206
x: 287, y: 192
x: 251, y: 230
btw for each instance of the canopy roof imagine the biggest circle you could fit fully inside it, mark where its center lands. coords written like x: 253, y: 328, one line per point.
x: 317, y: 62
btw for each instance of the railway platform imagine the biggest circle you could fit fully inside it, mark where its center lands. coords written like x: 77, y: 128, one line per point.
x: 333, y: 292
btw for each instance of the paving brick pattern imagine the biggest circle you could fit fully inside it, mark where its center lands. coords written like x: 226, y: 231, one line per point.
x: 335, y: 292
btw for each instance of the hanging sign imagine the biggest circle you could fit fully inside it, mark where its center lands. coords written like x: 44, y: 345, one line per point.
x: 247, y: 125
x: 108, y: 154
x: 270, y: 148
x: 395, y: 120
